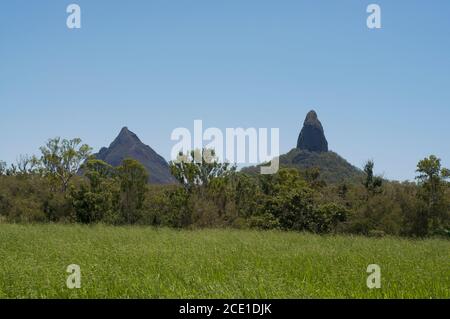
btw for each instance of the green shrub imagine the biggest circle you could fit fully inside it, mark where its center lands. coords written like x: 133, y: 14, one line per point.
x: 265, y: 221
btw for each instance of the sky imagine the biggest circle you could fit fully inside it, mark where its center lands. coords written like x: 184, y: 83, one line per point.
x: 155, y: 65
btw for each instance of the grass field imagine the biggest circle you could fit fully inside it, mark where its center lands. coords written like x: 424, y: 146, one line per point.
x: 138, y: 262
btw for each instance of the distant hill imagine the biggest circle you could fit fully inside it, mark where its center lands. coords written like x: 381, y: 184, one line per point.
x: 312, y: 151
x: 333, y: 168
x: 128, y: 145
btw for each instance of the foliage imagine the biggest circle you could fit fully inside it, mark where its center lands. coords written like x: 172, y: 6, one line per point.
x: 133, y: 178
x: 328, y: 217
x: 198, y: 168
x: 30, y: 199
x: 333, y: 168
x: 372, y: 183
x: 433, y: 193
x: 97, y: 198
x: 2, y: 168
x: 264, y: 221
x: 290, y: 200
x: 61, y: 160
x: 61, y: 186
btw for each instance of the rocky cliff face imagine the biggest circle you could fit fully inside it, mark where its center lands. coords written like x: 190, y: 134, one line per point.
x: 128, y: 145
x: 312, y: 137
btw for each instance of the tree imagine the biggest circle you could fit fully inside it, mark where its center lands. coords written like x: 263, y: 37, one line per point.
x: 342, y: 191
x: 192, y: 172
x: 372, y: 183
x: 432, y: 182
x: 61, y: 159
x: 133, y: 179
x: 2, y: 168
x: 97, y: 199
x: 290, y: 199
x: 328, y: 216
x: 26, y: 165
x: 312, y: 176
x: 248, y: 194
x: 207, y: 196
x: 97, y: 171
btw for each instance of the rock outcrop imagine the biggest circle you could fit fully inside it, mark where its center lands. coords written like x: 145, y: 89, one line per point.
x: 312, y: 137
x: 128, y: 145
x: 312, y: 152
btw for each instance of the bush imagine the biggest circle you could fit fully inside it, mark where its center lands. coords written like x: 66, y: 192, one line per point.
x: 265, y: 221
x: 328, y: 216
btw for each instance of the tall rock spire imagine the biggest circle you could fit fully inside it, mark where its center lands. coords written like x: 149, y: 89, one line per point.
x: 312, y: 136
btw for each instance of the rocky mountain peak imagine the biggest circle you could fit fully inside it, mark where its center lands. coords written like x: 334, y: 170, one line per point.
x: 126, y: 137
x: 312, y: 136
x: 128, y: 145
x: 312, y: 118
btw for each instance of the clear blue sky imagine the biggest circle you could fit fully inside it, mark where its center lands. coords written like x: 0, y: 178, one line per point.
x: 157, y: 65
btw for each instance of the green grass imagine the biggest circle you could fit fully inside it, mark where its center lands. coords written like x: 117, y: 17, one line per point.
x: 139, y: 262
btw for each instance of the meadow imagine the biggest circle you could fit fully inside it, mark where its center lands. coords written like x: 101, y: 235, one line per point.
x: 144, y: 262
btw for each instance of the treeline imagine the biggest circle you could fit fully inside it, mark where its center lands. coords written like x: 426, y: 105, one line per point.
x: 65, y: 184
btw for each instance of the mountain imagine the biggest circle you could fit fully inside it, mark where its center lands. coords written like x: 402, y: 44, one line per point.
x: 333, y: 168
x: 312, y: 136
x: 312, y: 151
x: 128, y: 145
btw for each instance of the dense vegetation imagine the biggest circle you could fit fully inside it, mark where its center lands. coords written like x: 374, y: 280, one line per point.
x: 65, y: 184
x: 333, y: 168
x: 147, y: 262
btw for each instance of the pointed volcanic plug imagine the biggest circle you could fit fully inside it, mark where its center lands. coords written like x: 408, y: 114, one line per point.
x: 312, y: 137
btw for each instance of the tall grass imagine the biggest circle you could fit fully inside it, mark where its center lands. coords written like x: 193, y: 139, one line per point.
x: 138, y: 262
